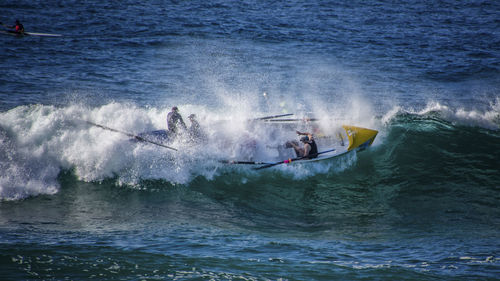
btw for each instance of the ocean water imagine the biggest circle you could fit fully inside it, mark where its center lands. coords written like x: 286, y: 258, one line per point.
x: 79, y: 202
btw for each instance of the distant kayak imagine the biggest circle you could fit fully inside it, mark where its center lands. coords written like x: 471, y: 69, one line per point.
x: 11, y: 32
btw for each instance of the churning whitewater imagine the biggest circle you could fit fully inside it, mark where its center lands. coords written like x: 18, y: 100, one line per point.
x: 39, y: 142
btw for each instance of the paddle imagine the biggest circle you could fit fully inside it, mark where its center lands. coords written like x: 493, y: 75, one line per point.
x: 4, y: 25
x: 291, y: 160
x: 273, y: 116
x: 130, y: 135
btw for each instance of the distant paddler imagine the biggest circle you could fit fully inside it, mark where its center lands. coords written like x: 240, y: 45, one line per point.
x: 18, y: 27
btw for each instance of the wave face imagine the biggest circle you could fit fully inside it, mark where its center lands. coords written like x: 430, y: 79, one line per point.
x: 422, y: 172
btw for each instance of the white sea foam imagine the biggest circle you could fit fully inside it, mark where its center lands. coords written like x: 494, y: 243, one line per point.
x: 489, y: 119
x: 39, y: 141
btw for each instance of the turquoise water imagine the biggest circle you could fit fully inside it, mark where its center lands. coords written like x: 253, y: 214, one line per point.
x: 81, y: 203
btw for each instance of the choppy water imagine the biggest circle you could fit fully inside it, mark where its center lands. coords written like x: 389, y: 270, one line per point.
x: 79, y: 202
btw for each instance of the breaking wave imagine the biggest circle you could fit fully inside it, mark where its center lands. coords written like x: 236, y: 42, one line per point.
x: 38, y: 142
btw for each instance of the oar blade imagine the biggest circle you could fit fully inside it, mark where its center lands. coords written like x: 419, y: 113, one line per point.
x: 267, y: 166
x: 292, y: 160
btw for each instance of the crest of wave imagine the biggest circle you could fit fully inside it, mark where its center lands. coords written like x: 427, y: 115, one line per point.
x: 489, y: 119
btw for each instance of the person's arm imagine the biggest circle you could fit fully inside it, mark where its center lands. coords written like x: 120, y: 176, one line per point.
x: 177, y: 119
x: 182, y: 122
x: 305, y: 134
x: 307, y: 148
x: 8, y: 26
x: 294, y: 145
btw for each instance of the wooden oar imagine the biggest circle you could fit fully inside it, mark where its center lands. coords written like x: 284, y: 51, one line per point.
x: 130, y: 135
x: 291, y: 160
x: 273, y: 116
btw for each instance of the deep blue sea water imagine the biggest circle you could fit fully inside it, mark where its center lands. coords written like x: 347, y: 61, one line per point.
x: 81, y: 203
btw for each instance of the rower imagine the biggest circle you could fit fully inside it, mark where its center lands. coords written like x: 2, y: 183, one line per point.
x: 18, y: 27
x: 173, y: 119
x: 309, y: 150
x: 195, y: 132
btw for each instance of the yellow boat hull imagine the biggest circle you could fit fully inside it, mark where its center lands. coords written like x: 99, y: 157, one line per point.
x: 359, y: 138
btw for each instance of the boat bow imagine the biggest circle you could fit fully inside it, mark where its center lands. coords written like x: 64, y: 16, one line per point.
x: 359, y: 138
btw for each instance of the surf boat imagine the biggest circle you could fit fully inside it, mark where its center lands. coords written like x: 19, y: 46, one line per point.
x: 351, y: 139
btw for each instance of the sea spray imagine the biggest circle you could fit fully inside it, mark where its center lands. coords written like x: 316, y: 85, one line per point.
x: 38, y: 142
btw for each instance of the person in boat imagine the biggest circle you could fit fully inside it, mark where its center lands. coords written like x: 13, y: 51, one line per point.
x: 18, y: 27
x: 174, y: 118
x: 195, y: 133
x: 309, y: 149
